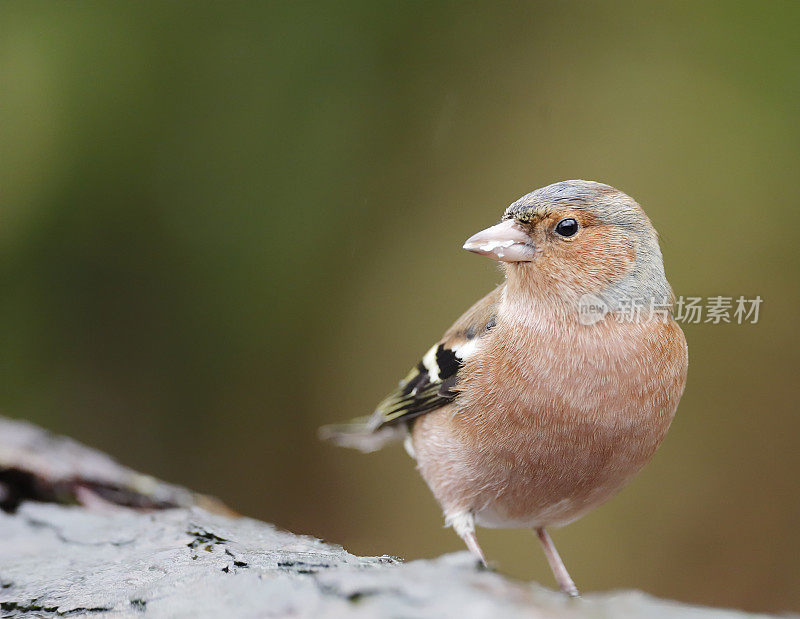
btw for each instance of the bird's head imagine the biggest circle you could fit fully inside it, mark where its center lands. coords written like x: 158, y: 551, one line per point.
x: 574, y: 238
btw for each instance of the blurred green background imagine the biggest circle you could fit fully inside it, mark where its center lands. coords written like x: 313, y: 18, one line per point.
x: 224, y: 224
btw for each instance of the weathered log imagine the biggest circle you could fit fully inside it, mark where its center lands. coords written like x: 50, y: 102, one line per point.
x: 82, y: 535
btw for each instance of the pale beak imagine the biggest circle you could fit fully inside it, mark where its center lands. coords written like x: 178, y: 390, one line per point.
x: 506, y: 241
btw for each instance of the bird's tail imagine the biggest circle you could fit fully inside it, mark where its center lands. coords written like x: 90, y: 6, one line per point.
x: 358, y: 434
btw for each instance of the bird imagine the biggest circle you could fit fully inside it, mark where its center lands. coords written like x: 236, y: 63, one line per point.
x: 550, y: 393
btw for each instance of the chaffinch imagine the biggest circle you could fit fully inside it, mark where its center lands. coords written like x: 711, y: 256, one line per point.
x: 526, y: 414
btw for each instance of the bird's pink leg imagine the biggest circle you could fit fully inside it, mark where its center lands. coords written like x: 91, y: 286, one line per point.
x: 471, y: 540
x: 463, y: 523
x: 557, y: 565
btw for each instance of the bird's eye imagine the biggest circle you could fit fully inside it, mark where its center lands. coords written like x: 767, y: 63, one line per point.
x: 567, y: 227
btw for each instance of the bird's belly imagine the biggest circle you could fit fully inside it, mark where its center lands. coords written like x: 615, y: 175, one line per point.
x: 549, y: 449
x: 546, y: 478
x: 539, y: 475
x: 549, y: 489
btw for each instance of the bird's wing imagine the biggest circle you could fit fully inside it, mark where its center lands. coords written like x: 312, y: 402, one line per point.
x: 431, y: 383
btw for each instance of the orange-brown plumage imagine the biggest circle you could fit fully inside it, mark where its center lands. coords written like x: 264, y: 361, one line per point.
x: 526, y: 414
x: 540, y: 443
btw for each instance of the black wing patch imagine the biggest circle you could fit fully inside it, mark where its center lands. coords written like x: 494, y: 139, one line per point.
x: 431, y: 384
x: 427, y: 387
x: 447, y: 362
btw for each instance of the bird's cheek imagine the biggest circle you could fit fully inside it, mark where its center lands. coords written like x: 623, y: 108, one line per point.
x: 608, y: 259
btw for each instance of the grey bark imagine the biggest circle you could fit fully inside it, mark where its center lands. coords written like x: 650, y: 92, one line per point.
x: 81, y: 535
